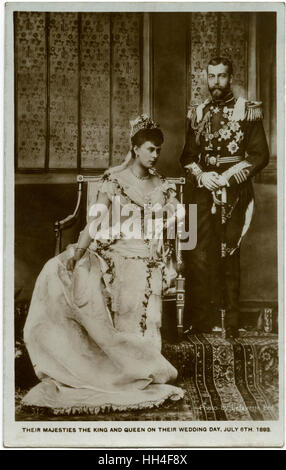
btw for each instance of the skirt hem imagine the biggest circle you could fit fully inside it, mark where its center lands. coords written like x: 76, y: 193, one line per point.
x: 106, y: 407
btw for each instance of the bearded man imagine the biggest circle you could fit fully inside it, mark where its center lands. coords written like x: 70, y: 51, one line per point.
x: 225, y: 147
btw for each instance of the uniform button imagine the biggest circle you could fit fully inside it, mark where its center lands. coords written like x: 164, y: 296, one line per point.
x: 219, y: 139
x: 219, y: 148
x: 222, y: 123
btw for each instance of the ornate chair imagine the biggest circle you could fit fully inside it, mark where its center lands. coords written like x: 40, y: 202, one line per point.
x: 67, y: 230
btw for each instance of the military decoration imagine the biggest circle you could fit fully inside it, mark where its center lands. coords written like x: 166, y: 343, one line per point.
x: 225, y: 133
x: 232, y: 147
x: 233, y: 125
x: 239, y: 136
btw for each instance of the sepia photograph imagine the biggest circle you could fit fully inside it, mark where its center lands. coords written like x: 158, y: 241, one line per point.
x: 144, y: 218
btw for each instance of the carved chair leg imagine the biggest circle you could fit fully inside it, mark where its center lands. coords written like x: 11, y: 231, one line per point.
x: 223, y: 329
x: 180, y: 304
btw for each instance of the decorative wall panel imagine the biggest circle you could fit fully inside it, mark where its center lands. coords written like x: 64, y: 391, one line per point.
x: 126, y: 82
x: 64, y: 89
x: 234, y: 35
x: 30, y: 52
x: 95, y: 89
x: 204, y: 45
x: 78, y: 82
x: 213, y: 34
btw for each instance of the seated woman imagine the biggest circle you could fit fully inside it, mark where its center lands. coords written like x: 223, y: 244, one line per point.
x: 93, y: 328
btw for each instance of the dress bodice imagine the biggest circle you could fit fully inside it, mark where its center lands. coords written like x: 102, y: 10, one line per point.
x: 118, y: 184
x: 128, y: 212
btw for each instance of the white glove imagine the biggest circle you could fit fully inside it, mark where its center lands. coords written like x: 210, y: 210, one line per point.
x: 223, y: 181
x: 210, y: 180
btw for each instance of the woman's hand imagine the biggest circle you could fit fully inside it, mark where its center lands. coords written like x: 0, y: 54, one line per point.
x: 78, y: 253
x: 71, y: 264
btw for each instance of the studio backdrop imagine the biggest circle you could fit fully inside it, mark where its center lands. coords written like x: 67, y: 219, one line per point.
x: 80, y: 78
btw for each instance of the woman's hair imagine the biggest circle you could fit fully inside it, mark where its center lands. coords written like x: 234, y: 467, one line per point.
x: 144, y: 135
x: 154, y: 135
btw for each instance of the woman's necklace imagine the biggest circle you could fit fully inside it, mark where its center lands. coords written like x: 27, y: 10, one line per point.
x: 140, y: 177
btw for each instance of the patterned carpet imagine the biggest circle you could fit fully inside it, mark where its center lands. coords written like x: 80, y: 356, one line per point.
x: 223, y: 381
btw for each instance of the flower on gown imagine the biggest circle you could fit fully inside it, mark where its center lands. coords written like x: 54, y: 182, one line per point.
x: 93, y: 335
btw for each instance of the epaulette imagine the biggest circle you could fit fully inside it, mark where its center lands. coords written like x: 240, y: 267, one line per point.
x: 192, y: 111
x: 246, y: 110
x: 253, y: 110
x: 195, y: 112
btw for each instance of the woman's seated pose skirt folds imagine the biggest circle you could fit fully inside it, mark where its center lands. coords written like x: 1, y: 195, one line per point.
x: 93, y: 328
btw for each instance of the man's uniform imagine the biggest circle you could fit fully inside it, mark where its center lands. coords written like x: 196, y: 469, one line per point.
x: 225, y: 136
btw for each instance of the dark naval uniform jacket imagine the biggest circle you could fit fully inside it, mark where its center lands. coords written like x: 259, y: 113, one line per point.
x: 226, y: 137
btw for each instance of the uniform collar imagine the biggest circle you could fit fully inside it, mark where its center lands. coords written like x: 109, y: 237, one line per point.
x: 227, y: 100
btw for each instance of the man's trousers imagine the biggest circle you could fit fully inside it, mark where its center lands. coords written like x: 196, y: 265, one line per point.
x: 204, y: 276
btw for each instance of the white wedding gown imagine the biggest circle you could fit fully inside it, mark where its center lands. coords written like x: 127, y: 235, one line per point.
x: 93, y: 335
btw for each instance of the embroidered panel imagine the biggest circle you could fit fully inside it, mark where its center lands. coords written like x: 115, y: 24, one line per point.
x: 30, y: 76
x: 214, y: 34
x: 107, y: 63
x: 203, y: 40
x: 126, y: 79
x: 234, y: 38
x: 63, y: 57
x: 95, y: 89
x: 76, y: 71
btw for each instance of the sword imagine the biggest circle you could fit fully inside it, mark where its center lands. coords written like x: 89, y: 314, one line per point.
x: 221, y: 202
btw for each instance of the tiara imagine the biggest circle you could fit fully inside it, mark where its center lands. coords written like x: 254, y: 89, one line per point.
x: 142, y: 122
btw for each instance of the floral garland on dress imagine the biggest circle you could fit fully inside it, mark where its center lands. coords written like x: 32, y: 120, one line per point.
x: 150, y: 263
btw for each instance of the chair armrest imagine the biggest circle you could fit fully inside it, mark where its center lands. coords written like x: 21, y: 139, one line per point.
x: 176, y: 180
x: 67, y: 222
x: 179, y: 181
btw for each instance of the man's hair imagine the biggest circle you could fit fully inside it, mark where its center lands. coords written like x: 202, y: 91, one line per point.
x: 223, y: 61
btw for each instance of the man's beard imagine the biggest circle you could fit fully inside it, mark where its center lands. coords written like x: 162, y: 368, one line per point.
x: 218, y: 93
